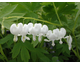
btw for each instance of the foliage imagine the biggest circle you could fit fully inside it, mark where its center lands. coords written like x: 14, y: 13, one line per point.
x: 49, y: 13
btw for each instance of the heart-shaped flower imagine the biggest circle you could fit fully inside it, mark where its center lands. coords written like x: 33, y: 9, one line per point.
x: 44, y: 30
x: 35, y: 30
x: 15, y: 30
x: 24, y: 32
x: 69, y: 41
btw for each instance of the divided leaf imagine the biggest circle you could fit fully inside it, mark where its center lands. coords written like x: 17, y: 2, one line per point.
x: 5, y: 39
x: 7, y: 10
x: 16, y: 49
x: 25, y: 54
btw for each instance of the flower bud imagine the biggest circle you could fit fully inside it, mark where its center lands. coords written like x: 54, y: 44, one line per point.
x: 2, y: 29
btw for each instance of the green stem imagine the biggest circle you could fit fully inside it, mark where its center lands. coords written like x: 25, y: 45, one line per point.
x: 3, y: 52
x: 76, y: 44
x: 42, y: 42
x: 75, y: 36
x: 73, y: 51
x: 33, y: 19
x: 57, y: 13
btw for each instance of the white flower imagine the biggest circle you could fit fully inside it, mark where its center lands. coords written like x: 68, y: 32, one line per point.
x: 35, y: 30
x: 15, y: 30
x: 69, y: 41
x: 30, y: 25
x: 60, y: 34
x: 44, y: 30
x: 56, y: 34
x: 24, y: 32
x: 51, y: 36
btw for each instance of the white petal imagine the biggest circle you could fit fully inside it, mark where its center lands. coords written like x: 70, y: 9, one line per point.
x: 39, y: 38
x: 60, y: 41
x: 23, y: 39
x: 37, y: 28
x: 47, y: 40
x: 53, y: 44
x: 70, y: 47
x: 20, y: 27
x: 2, y: 29
x: 24, y: 30
x: 15, y: 38
x: 48, y: 33
x: 27, y: 38
x: 44, y: 29
x: 56, y: 32
x: 69, y: 41
x: 62, y: 33
x: 34, y: 37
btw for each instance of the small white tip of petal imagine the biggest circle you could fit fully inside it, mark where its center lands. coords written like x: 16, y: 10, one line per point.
x: 34, y: 37
x: 27, y: 38
x: 60, y: 41
x: 15, y: 38
x: 39, y: 38
x: 2, y: 29
x: 23, y: 39
x: 46, y: 40
x: 53, y: 44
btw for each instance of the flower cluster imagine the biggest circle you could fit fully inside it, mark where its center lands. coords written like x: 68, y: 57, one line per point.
x: 39, y: 30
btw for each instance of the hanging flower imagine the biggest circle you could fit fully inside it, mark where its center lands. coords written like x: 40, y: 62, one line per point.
x: 15, y: 30
x: 51, y: 36
x: 30, y: 25
x: 69, y: 41
x: 56, y: 34
x: 44, y: 30
x: 24, y: 32
x: 60, y: 34
x: 35, y: 30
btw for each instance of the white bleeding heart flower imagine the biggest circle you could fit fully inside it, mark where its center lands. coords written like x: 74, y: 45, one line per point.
x: 35, y: 30
x: 30, y: 25
x: 44, y: 30
x: 51, y: 36
x: 60, y: 34
x: 69, y: 41
x: 15, y: 30
x: 24, y: 32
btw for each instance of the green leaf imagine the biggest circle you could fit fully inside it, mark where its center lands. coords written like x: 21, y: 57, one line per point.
x: 46, y: 3
x: 59, y: 46
x: 36, y: 6
x: 54, y: 59
x: 19, y: 8
x: 26, y: 5
x: 25, y: 54
x: 5, y: 39
x: 16, y: 49
x: 63, y: 57
x: 3, y: 4
x: 35, y: 43
x: 10, y: 42
x: 77, y: 15
x: 31, y: 14
x: 65, y: 49
x: 42, y: 50
x: 2, y: 57
x: 43, y: 57
x: 78, y: 5
x: 34, y: 56
x: 7, y: 10
x: 29, y: 46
